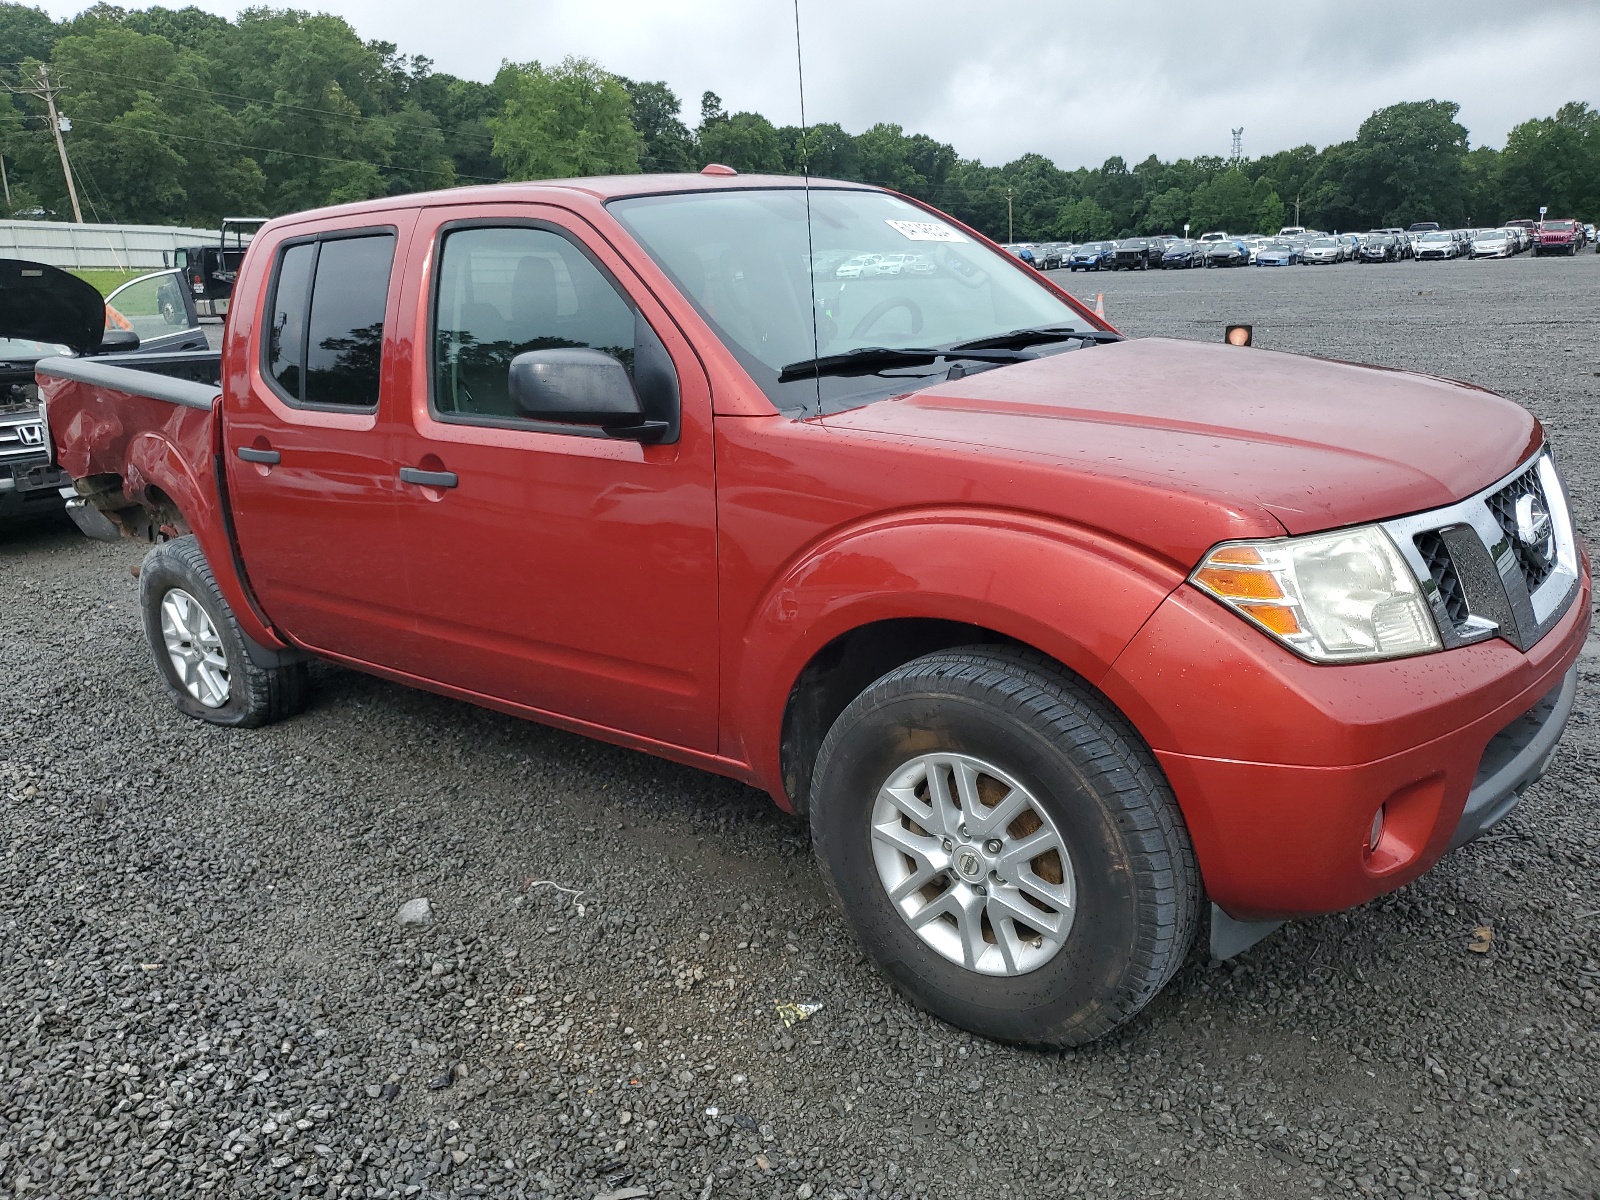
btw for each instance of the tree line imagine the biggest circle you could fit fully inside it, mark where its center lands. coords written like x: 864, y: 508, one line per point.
x: 181, y: 116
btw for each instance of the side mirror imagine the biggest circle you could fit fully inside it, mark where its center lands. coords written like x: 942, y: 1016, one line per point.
x: 119, y: 341
x: 579, y: 386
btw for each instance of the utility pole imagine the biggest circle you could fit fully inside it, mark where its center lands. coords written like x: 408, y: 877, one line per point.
x: 42, y: 90
x: 1011, y: 226
x: 1297, y: 209
x: 5, y: 182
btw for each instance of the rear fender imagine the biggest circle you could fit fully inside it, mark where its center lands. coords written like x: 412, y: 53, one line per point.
x: 1072, y: 593
x: 151, y: 466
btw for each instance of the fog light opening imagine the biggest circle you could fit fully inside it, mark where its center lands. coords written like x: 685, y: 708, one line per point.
x: 1376, y: 834
x: 1239, y: 335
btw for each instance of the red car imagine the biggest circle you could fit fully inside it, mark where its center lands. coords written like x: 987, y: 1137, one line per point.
x: 1558, y: 237
x: 1062, y: 641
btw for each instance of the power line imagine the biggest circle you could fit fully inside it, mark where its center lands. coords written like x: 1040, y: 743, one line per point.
x: 359, y: 162
x: 185, y: 87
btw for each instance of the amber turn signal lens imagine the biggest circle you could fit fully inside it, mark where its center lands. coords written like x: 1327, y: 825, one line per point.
x: 1240, y: 585
x: 1239, y: 335
x: 1279, y: 618
x: 1238, y: 556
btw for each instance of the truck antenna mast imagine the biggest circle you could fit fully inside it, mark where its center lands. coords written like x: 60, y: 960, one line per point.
x: 805, y: 172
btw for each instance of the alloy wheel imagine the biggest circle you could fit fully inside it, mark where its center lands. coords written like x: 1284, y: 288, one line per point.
x: 195, y: 648
x: 973, y: 864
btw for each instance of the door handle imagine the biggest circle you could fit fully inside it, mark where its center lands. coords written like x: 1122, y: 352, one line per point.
x: 438, y: 479
x: 251, y: 455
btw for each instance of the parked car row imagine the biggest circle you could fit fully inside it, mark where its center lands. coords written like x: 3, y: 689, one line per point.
x: 1296, y: 245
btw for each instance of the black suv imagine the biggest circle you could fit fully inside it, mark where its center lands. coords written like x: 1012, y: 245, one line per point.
x: 1138, y: 254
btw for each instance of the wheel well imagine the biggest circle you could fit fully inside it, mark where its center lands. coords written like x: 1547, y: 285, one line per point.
x: 153, y: 517
x: 842, y: 670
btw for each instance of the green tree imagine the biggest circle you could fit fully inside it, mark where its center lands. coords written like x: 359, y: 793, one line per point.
x: 1168, y: 212
x: 1224, y: 202
x: 564, y: 121
x: 1552, y: 162
x: 885, y: 159
x: 1269, y: 213
x: 747, y: 142
x: 825, y: 150
x: 1082, y: 221
x: 148, y: 142
x: 1406, y: 164
x: 655, y: 110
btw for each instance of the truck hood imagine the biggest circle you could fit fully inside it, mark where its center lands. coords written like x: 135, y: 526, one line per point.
x: 1259, y: 439
x: 41, y: 303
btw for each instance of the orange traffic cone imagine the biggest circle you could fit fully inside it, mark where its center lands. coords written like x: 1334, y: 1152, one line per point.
x: 1099, y: 304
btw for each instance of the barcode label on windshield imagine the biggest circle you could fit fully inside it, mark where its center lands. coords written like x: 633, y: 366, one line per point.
x: 926, y: 231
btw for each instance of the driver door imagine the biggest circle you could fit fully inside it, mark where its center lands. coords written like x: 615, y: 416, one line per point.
x: 552, y: 567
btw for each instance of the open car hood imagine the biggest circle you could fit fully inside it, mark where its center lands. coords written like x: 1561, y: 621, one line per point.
x: 42, y: 303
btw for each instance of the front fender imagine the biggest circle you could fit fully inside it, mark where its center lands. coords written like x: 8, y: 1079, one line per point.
x: 1072, y: 593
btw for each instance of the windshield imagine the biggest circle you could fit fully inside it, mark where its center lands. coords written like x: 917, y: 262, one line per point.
x: 1558, y: 226
x: 886, y: 274
x: 23, y: 348
x: 1436, y: 237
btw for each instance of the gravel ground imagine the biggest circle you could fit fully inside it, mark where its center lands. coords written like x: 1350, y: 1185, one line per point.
x: 204, y: 990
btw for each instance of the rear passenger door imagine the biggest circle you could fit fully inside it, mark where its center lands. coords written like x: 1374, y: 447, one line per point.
x: 553, y: 567
x: 310, y: 440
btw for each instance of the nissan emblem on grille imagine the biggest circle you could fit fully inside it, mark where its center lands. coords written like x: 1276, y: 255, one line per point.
x: 1535, y: 530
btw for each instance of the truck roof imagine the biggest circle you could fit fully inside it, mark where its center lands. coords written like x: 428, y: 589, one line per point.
x: 599, y: 188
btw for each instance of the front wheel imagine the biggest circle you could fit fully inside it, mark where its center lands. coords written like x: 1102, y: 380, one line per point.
x: 200, y: 649
x: 1005, y: 846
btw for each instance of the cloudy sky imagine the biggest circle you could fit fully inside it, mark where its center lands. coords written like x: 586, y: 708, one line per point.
x: 1075, y: 82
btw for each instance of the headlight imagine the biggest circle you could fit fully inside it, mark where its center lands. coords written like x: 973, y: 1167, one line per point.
x: 1329, y: 597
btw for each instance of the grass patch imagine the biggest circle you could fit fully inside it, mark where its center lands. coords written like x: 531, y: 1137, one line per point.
x: 108, y: 281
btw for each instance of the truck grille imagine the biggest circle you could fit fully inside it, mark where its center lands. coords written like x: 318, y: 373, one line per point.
x: 1503, y: 504
x: 22, y: 439
x: 1436, y: 556
x: 1492, y: 574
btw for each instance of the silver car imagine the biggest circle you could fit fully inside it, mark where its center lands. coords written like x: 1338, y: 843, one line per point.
x: 1493, y: 243
x: 1324, y: 251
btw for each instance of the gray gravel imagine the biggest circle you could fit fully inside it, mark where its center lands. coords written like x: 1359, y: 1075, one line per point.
x: 204, y: 989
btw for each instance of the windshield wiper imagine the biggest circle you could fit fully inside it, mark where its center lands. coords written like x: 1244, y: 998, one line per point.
x: 1018, y: 338
x: 868, y: 360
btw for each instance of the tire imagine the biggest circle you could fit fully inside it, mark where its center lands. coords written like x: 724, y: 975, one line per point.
x: 1128, y: 862
x: 251, y: 695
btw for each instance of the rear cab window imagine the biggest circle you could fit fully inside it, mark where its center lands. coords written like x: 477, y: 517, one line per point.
x: 324, y: 339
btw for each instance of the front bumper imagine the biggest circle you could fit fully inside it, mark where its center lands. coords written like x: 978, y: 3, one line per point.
x: 1280, y: 765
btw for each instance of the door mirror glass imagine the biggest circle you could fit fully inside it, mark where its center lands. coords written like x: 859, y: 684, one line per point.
x: 573, y: 385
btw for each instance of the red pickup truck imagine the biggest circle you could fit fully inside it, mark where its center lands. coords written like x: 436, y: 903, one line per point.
x: 1054, y: 636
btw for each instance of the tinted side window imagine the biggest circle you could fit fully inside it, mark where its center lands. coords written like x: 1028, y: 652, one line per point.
x: 286, y: 333
x: 325, y: 341
x: 506, y: 291
x: 346, y: 339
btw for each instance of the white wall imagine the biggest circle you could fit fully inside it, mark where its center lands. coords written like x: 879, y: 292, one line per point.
x: 97, y: 247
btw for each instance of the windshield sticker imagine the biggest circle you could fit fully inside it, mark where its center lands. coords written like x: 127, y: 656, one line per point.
x: 926, y: 231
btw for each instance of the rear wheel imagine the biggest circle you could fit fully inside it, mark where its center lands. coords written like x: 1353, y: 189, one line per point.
x: 1005, y: 846
x: 200, y: 650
